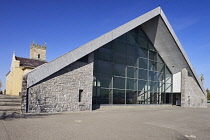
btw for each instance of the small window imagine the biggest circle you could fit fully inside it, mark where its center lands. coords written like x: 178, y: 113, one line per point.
x: 38, y: 55
x: 80, y: 95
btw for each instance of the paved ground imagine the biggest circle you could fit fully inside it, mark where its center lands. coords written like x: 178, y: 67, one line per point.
x: 163, y: 124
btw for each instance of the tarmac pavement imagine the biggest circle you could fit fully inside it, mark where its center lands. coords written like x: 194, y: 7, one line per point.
x: 175, y: 123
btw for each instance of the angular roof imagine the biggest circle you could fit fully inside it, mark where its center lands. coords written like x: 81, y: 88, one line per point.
x: 26, y: 62
x: 162, y: 23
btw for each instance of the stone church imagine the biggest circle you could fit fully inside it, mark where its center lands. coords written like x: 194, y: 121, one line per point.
x: 139, y: 63
x: 20, y: 66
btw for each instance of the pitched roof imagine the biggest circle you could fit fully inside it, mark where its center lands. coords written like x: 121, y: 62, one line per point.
x: 26, y: 62
x: 55, y: 65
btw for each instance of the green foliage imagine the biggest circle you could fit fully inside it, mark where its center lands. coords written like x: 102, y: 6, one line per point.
x: 208, y: 94
x: 0, y: 85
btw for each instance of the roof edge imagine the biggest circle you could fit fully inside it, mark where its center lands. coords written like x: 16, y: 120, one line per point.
x: 55, y: 65
x: 168, y: 25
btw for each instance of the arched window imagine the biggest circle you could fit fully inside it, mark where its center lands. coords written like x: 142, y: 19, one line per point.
x: 38, y: 55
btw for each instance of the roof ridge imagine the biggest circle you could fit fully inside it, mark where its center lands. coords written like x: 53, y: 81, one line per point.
x: 31, y: 59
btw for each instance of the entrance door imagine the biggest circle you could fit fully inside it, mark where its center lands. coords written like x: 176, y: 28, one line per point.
x: 178, y: 99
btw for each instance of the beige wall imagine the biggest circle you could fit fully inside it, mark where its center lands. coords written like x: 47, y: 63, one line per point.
x: 14, y: 78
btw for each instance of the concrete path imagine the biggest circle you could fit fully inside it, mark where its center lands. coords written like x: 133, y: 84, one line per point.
x: 163, y: 124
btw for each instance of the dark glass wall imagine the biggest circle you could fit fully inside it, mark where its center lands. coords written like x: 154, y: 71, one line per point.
x: 129, y: 70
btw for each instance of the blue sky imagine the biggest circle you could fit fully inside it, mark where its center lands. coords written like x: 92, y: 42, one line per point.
x: 67, y: 24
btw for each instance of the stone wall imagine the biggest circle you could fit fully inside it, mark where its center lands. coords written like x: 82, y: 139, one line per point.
x: 23, y: 94
x: 191, y: 93
x: 60, y: 91
x: 36, y: 49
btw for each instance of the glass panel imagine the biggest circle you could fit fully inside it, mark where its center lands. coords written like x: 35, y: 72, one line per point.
x: 155, y: 66
x: 122, y: 38
x: 160, y: 67
x: 94, y: 81
x: 108, y: 46
x: 154, y: 98
x: 143, y: 52
x: 119, y: 58
x: 119, y: 70
x: 143, y: 63
x: 141, y: 97
x: 160, y: 77
x: 142, y: 74
x: 153, y: 76
x: 94, y: 99
x: 147, y: 97
x: 159, y: 59
x: 105, y: 96
x: 104, y: 81
x: 131, y: 38
x: 132, y: 72
x: 131, y: 97
x: 104, y: 67
x: 152, y: 65
x: 105, y: 54
x: 119, y: 82
x: 162, y: 87
x: 118, y: 96
x: 142, y: 85
x: 119, y: 47
x: 168, y: 87
x: 154, y: 86
x: 122, y: 68
x: 168, y: 76
x: 151, y: 47
x: 140, y: 32
x: 132, y: 84
x: 143, y: 42
x: 132, y: 61
x: 152, y: 55
x: 132, y: 50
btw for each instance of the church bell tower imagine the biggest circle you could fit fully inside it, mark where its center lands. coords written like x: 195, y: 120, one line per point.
x: 37, y: 51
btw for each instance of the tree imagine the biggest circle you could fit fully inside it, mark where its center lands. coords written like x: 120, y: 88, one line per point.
x: 1, y: 85
x: 208, y: 94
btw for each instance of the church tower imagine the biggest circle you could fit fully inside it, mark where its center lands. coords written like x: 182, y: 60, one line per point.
x: 37, y: 51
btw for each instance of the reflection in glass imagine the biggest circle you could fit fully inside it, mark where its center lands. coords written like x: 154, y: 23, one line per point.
x: 105, y: 96
x: 131, y: 97
x: 153, y: 55
x: 104, y: 81
x: 132, y: 72
x: 132, y: 84
x: 129, y: 70
x: 104, y: 67
x: 119, y: 70
x: 118, y: 96
x: 143, y: 74
x: 119, y: 82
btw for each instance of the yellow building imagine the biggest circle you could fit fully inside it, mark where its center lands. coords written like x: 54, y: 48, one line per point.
x: 20, y: 66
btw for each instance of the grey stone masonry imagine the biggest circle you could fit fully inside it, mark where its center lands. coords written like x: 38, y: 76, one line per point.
x: 23, y: 94
x: 191, y: 93
x: 60, y: 91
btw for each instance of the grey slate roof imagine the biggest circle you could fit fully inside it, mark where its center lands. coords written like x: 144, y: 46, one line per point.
x: 47, y: 69
x: 26, y: 62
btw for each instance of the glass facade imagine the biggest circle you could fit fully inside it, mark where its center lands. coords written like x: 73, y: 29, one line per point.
x: 129, y: 70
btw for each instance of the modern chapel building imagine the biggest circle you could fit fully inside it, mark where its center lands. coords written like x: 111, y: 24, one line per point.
x: 140, y: 62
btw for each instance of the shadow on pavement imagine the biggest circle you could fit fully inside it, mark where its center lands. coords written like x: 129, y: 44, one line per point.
x: 25, y: 116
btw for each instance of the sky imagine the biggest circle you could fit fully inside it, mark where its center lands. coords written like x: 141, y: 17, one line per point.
x: 67, y: 24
